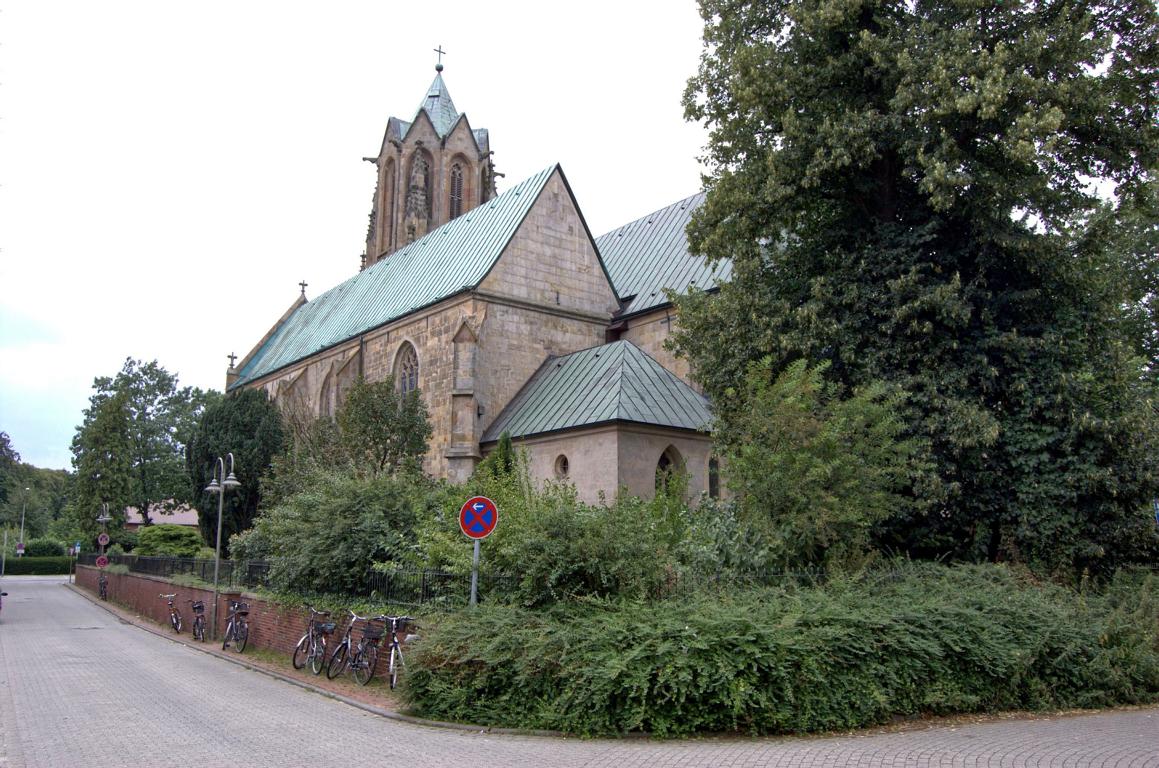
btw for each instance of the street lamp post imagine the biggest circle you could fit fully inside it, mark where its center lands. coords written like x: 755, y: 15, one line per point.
x: 219, y: 485
x: 23, y: 509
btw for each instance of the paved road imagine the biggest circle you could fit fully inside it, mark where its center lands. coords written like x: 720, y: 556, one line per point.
x: 79, y: 688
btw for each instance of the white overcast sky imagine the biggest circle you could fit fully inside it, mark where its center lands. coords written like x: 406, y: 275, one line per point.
x: 169, y: 172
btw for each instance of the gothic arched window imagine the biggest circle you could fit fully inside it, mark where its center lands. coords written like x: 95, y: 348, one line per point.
x: 456, y: 205
x: 669, y: 464
x: 406, y: 369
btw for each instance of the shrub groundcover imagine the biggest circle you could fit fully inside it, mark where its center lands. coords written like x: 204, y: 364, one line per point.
x: 917, y: 639
x: 39, y: 566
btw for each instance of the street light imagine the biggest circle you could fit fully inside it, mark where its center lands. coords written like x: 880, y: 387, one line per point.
x: 219, y: 485
x: 23, y: 509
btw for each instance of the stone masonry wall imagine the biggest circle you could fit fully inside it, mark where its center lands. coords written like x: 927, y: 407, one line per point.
x: 649, y: 332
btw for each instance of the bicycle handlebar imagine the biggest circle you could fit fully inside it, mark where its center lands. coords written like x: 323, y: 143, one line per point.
x: 168, y: 597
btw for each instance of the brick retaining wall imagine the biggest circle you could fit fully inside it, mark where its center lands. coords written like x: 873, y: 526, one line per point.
x: 272, y: 627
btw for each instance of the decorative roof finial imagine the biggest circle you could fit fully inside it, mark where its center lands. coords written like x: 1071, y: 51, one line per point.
x: 303, y: 284
x: 439, y: 65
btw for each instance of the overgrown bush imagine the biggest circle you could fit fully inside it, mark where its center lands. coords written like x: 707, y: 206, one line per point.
x: 168, y: 540
x: 559, y: 547
x: 327, y: 538
x: 45, y: 548
x: 917, y: 639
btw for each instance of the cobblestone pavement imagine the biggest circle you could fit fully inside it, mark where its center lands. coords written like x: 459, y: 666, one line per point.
x: 81, y: 688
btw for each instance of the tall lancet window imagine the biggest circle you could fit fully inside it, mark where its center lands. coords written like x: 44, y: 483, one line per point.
x: 456, y: 206
x: 406, y: 369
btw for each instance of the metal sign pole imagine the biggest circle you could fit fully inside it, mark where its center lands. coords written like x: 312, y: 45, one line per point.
x: 475, y: 575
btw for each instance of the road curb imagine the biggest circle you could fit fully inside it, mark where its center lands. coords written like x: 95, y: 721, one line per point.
x: 241, y: 662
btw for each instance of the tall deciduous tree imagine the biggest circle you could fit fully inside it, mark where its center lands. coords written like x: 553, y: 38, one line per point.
x: 159, y: 417
x: 384, y: 430
x: 249, y: 426
x: 907, y: 189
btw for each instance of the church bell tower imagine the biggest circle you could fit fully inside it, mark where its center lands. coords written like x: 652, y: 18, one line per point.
x: 429, y: 170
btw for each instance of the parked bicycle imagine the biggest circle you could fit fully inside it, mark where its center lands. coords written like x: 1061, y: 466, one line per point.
x: 311, y: 649
x: 237, y: 628
x: 397, y: 624
x: 198, y: 608
x: 103, y: 586
x: 360, y: 658
x: 174, y: 614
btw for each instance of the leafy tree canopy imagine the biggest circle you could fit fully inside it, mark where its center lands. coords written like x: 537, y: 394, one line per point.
x: 813, y: 469
x: 136, y: 428
x: 909, y: 192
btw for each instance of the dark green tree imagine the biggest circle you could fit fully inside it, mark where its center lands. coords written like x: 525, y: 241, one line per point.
x: 9, y: 460
x: 907, y: 191
x: 101, y: 460
x: 248, y: 425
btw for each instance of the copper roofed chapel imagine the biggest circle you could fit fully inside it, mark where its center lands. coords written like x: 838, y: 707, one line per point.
x: 508, y: 315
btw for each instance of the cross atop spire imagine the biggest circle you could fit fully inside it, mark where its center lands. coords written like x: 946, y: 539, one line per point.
x: 439, y: 65
x: 303, y: 284
x: 232, y: 359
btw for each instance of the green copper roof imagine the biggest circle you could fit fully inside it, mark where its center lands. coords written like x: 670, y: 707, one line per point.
x: 454, y: 257
x: 439, y: 107
x: 651, y: 254
x: 616, y: 382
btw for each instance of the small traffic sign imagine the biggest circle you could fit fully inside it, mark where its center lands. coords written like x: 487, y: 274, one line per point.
x: 103, y: 539
x: 20, y: 547
x: 102, y: 562
x: 478, y: 517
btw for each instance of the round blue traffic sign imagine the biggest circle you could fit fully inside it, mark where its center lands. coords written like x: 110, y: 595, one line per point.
x: 478, y: 517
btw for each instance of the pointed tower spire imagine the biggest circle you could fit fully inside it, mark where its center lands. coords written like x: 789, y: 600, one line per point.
x: 428, y: 173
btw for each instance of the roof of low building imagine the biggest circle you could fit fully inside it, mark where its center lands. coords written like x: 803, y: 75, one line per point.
x: 454, y: 257
x: 649, y: 255
x: 615, y: 382
x: 179, y: 515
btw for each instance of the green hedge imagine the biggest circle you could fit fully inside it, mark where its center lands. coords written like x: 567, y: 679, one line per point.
x: 40, y: 566
x: 922, y: 639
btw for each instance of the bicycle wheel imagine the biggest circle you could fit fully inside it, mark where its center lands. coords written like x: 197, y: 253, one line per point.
x: 367, y: 660
x: 301, y: 651
x: 318, y: 654
x: 228, y: 635
x: 175, y: 621
x: 243, y: 636
x: 199, y: 629
x: 337, y: 662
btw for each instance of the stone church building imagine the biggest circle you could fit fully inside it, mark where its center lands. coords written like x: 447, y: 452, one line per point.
x: 508, y: 315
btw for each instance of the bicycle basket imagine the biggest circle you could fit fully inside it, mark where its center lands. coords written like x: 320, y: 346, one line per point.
x: 327, y: 628
x: 241, y: 609
x: 198, y: 607
x: 372, y: 632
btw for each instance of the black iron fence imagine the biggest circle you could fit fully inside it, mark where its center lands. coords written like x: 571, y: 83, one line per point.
x: 242, y: 573
x: 402, y: 586
x: 398, y: 586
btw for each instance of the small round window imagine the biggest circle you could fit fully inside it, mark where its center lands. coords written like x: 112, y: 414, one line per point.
x: 561, y: 466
